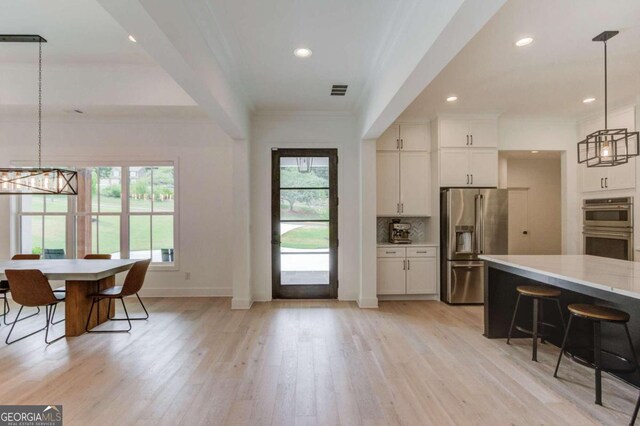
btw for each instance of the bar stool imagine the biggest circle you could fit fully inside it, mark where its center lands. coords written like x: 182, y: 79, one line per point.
x: 597, y: 314
x: 538, y: 294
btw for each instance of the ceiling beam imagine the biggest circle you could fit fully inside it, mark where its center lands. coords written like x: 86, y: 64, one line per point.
x: 397, y: 88
x: 167, y: 32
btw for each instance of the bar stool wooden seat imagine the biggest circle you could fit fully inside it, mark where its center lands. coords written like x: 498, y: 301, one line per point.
x: 598, y: 314
x: 538, y: 294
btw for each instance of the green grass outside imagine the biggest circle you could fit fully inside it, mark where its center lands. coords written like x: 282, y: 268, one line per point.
x: 307, y: 237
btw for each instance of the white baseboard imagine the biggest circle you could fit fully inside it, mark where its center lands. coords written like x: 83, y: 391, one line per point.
x: 241, y: 303
x: 368, y: 303
x: 186, y: 292
x: 409, y: 297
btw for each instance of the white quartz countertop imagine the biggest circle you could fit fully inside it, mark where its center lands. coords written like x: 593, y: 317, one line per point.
x: 70, y: 269
x: 408, y: 245
x: 616, y: 276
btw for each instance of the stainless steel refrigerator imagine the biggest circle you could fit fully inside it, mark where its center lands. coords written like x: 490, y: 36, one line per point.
x: 472, y: 222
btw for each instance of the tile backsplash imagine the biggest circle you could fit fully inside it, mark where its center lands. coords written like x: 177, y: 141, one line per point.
x: 417, y: 234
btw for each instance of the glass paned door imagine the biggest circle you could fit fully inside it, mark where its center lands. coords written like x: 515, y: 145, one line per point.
x: 304, y: 223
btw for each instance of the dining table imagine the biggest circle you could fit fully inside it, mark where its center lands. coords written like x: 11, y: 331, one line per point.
x: 83, y: 278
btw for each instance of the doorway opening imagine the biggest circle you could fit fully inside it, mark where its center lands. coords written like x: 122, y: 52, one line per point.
x: 304, y: 223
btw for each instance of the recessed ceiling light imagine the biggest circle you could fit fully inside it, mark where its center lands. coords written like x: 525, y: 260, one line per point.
x: 302, y: 52
x: 534, y: 152
x: 524, y: 41
x: 452, y: 98
x: 588, y: 100
x: 132, y: 38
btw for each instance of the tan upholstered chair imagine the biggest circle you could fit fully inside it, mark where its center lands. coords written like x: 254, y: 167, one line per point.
x: 97, y: 256
x: 131, y: 286
x: 29, y: 287
x: 4, y: 287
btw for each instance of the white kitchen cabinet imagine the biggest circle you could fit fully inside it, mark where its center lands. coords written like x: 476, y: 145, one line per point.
x: 411, y: 270
x: 609, y: 178
x: 388, y: 183
x: 403, y: 183
x: 421, y: 275
x: 391, y: 276
x: 464, y: 133
x: 461, y: 167
x: 415, y: 184
x: 405, y: 137
x: 388, y: 141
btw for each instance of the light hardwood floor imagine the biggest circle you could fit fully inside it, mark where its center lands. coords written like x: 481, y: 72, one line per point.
x: 301, y: 362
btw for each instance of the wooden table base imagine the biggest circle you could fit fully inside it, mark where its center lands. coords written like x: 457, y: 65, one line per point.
x: 78, y: 304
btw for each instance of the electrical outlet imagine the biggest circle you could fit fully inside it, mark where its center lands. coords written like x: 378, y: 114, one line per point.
x: 187, y: 275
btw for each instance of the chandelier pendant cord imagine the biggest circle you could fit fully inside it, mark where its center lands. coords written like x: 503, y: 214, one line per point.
x: 40, y: 104
x: 605, y: 85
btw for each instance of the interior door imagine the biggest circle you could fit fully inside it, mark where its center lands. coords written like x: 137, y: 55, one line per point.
x: 304, y: 240
x: 519, y: 239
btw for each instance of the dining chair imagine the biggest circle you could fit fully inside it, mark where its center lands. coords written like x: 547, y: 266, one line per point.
x: 132, y: 284
x: 29, y: 287
x: 4, y: 287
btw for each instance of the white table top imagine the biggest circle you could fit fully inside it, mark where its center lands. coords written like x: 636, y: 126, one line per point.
x: 70, y: 269
x: 617, y: 276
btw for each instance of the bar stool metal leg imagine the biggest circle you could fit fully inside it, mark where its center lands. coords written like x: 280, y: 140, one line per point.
x: 513, y: 319
x: 536, y: 309
x: 635, y: 413
x: 597, y: 360
x: 564, y: 345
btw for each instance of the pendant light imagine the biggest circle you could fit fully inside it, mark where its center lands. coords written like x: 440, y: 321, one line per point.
x: 36, y: 180
x: 608, y: 147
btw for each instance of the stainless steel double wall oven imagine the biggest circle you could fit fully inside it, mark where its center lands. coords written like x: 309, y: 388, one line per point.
x: 608, y: 227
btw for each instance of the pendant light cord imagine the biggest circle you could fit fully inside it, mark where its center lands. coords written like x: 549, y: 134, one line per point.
x: 40, y: 104
x: 605, y: 85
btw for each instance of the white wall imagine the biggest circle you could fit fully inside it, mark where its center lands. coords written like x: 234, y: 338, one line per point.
x: 205, y: 158
x: 306, y: 130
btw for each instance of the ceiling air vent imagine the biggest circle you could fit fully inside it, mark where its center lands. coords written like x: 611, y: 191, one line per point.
x: 339, y: 90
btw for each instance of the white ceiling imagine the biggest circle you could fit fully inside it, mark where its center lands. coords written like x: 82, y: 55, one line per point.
x: 78, y: 31
x: 254, y: 40
x: 551, y: 76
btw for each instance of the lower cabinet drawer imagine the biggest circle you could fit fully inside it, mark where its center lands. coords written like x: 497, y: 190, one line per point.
x: 391, y: 252
x: 421, y: 252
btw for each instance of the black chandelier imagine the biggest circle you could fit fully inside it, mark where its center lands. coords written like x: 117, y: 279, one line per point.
x: 36, y: 180
x: 608, y: 147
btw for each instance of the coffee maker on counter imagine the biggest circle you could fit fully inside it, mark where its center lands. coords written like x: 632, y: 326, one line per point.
x: 399, y: 232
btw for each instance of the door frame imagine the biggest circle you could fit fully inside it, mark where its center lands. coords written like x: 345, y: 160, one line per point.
x: 304, y: 291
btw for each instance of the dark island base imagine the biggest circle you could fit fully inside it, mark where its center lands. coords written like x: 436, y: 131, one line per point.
x: 500, y: 301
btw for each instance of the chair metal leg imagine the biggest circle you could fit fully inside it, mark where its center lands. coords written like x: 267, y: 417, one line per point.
x: 536, y: 312
x: 564, y: 345
x: 635, y: 412
x: 6, y: 309
x: 513, y: 319
x: 27, y: 317
x: 50, y: 312
x: 13, y: 324
x: 54, y: 314
x: 564, y: 326
x: 97, y: 300
x: 597, y: 361
x: 144, y: 318
x: 634, y: 357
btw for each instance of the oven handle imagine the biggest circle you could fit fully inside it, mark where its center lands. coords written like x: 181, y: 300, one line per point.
x: 625, y: 235
x: 608, y: 207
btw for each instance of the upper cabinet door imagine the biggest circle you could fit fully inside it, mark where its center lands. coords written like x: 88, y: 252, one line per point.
x: 414, y: 137
x: 621, y: 177
x: 483, y: 166
x: 592, y: 178
x: 389, y: 140
x: 454, y: 133
x: 415, y: 184
x: 483, y: 133
x: 454, y: 167
x: 388, y: 183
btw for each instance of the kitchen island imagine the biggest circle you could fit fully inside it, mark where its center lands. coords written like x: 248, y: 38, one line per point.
x: 582, y: 279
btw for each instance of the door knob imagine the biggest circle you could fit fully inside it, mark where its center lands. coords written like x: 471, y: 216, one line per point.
x: 525, y: 232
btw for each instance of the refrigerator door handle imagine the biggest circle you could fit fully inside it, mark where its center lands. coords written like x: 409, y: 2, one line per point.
x: 481, y: 224
x: 477, y: 215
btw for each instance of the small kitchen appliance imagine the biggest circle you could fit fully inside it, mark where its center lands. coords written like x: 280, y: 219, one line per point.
x: 399, y: 232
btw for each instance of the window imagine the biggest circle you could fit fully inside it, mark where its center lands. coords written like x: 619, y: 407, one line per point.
x: 128, y: 218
